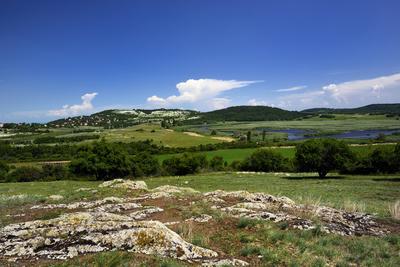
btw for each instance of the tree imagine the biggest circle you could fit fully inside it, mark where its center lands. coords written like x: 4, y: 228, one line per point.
x: 264, y: 160
x: 4, y: 169
x: 184, y: 164
x: 25, y: 174
x: 249, y: 136
x: 322, y: 155
x: 264, y: 133
x: 102, y: 160
x: 217, y: 163
x: 213, y: 132
x: 144, y: 164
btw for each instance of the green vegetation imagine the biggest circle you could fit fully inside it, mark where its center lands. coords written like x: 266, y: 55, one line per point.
x: 369, y: 109
x: 185, y: 164
x: 238, y: 154
x: 373, y: 193
x: 265, y: 160
x: 341, y: 123
x: 158, y: 135
x: 247, y: 113
x: 322, y: 156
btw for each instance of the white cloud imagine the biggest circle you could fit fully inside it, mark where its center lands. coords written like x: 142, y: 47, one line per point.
x: 203, y: 92
x: 72, y: 110
x: 291, y: 89
x: 255, y: 102
x: 365, y: 89
x: 219, y: 103
x: 384, y: 89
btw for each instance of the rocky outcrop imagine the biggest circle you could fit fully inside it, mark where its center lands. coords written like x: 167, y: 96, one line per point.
x: 78, y: 233
x: 282, y: 209
x: 126, y: 184
x: 116, y: 223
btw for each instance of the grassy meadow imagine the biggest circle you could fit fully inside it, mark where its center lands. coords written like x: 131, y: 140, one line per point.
x: 259, y: 242
x: 372, y: 193
x: 341, y: 122
x: 231, y: 155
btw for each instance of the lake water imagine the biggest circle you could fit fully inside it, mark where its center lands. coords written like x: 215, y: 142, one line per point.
x: 298, y: 134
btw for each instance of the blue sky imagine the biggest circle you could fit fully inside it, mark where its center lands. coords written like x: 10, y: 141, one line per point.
x: 64, y: 58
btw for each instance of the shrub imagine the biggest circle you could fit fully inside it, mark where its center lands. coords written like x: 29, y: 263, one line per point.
x: 322, y: 155
x: 144, y: 164
x: 102, y: 160
x: 184, y: 164
x: 25, y: 174
x: 265, y: 160
x: 380, y: 160
x: 4, y: 169
x: 54, y: 172
x: 217, y: 163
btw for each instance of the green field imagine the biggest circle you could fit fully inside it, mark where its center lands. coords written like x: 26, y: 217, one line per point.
x: 339, y: 124
x: 159, y: 135
x: 373, y: 193
x: 231, y: 155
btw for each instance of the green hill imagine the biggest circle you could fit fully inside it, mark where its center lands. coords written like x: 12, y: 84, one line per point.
x: 120, y: 118
x: 248, y: 113
x: 369, y: 109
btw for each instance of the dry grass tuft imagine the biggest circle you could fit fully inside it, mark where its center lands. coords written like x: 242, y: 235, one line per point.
x: 352, y: 206
x: 395, y: 210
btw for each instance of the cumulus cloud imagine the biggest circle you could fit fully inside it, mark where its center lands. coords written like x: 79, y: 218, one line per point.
x: 364, y: 89
x: 72, y: 110
x: 291, y: 89
x: 384, y: 89
x: 200, y: 91
x: 255, y: 102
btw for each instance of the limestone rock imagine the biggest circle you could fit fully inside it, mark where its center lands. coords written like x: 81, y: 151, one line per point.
x: 55, y: 197
x: 126, y: 184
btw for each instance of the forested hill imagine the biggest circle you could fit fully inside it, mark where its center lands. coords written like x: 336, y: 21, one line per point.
x: 369, y: 109
x: 248, y: 113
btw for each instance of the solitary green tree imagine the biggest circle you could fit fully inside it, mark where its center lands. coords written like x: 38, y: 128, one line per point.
x: 322, y: 155
x: 249, y: 136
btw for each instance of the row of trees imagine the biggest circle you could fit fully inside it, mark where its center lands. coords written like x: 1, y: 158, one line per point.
x: 104, y: 161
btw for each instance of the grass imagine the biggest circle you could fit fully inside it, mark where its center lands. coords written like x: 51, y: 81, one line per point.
x: 340, y: 123
x: 231, y: 155
x: 373, y: 194
x: 258, y: 242
x: 159, y: 135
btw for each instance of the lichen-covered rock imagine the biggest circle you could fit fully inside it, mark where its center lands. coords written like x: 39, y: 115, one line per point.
x: 85, y: 232
x: 278, y: 209
x: 55, y: 197
x: 175, y: 190
x: 201, y: 218
x: 126, y: 184
x: 225, y: 262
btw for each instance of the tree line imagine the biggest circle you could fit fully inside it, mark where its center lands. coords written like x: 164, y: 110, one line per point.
x: 104, y: 161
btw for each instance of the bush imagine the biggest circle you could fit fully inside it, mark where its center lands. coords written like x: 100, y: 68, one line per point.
x: 102, y: 160
x: 4, y: 169
x: 184, y: 164
x: 380, y: 160
x: 322, y: 155
x: 144, y: 164
x: 55, y: 172
x: 217, y: 163
x: 25, y: 174
x: 265, y: 160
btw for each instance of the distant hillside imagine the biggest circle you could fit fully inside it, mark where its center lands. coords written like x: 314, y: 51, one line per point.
x: 248, y: 113
x: 118, y: 118
x: 369, y: 109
